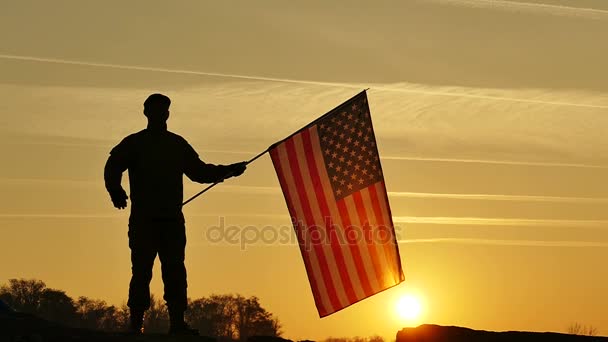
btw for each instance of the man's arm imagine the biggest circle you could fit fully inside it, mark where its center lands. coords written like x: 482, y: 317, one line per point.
x: 117, y: 163
x: 201, y: 172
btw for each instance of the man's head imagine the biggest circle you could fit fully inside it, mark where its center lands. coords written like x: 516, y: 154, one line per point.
x: 156, y: 108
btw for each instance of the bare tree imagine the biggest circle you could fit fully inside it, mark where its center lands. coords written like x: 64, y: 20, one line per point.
x: 232, y: 316
x: 95, y: 314
x: 23, y: 295
x: 254, y: 320
x: 121, y: 317
x: 157, y: 317
x: 580, y: 329
x: 56, y: 305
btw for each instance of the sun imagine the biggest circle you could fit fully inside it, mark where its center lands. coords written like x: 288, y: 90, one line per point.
x: 409, y: 307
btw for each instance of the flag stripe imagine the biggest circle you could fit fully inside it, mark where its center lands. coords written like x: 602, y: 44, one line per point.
x: 355, y: 248
x: 354, y: 267
x: 318, y: 249
x: 318, y: 223
x: 336, y: 248
x: 359, y: 240
x: 368, y: 238
x: 382, y: 202
x: 384, y: 235
x: 310, y: 259
x: 379, y: 235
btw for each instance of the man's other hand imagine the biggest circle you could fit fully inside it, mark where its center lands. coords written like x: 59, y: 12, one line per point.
x: 119, y: 199
x: 237, y: 169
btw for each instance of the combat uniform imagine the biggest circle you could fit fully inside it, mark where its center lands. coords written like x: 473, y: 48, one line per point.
x: 157, y: 160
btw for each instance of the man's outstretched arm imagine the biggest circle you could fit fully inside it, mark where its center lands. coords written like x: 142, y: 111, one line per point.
x: 112, y: 175
x: 201, y: 172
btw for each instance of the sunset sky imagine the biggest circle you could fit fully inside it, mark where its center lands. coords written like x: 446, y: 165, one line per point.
x: 491, y: 119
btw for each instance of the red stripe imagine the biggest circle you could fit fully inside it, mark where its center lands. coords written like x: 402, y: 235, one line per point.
x: 308, y: 216
x: 354, y: 249
x: 326, y: 214
x: 369, y: 242
x: 387, y: 241
x: 313, y: 282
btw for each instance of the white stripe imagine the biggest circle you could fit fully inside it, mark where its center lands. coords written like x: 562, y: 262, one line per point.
x: 319, y: 221
x: 315, y: 277
x: 351, y: 268
x: 365, y: 254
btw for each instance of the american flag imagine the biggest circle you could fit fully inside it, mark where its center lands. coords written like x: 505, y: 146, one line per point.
x: 333, y: 184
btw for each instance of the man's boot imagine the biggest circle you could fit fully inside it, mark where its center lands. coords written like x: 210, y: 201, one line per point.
x: 136, y: 322
x: 178, y: 325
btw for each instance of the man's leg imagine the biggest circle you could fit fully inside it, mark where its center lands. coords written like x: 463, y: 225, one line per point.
x: 143, y: 244
x: 172, y: 253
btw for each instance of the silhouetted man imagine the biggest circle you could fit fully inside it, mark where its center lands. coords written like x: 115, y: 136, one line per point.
x: 157, y: 159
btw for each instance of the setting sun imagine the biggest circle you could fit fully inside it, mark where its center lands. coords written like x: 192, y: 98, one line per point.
x: 409, y: 307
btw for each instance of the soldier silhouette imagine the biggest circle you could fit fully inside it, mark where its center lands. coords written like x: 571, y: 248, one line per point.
x: 157, y: 160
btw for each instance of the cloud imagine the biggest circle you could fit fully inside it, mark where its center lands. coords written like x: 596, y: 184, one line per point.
x: 533, y: 7
x: 498, y: 197
x: 501, y: 242
x: 296, y: 81
x: 495, y: 221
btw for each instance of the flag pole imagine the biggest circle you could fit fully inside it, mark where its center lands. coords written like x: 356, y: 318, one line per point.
x: 225, y: 176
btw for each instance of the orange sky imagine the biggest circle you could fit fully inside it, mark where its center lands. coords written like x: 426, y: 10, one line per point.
x: 490, y: 118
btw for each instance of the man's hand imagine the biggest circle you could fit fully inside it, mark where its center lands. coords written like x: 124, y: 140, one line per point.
x: 237, y: 169
x: 119, y: 198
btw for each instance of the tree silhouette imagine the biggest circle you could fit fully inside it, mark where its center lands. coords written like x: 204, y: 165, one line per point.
x: 23, y: 295
x: 157, y: 317
x: 579, y: 329
x: 231, y: 317
x: 374, y: 338
x: 56, y: 305
x: 254, y: 320
x: 96, y: 314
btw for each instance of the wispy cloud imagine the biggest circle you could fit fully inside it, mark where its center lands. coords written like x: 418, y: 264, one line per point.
x: 500, y: 242
x: 403, y: 158
x: 294, y: 81
x: 275, y: 190
x: 497, y: 197
x: 51, y: 181
x: 486, y: 221
x: 500, y: 162
x: 63, y: 216
x: 535, y: 6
